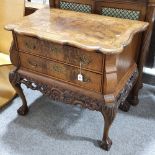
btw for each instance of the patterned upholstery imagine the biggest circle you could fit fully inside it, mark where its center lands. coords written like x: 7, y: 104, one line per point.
x: 113, y: 12
x: 121, y: 13
x: 75, y: 7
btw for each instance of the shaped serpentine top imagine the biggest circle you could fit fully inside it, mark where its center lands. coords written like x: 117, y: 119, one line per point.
x: 83, y: 30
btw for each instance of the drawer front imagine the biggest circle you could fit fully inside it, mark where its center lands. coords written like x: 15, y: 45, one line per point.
x: 29, y: 44
x: 91, y: 81
x: 68, y: 54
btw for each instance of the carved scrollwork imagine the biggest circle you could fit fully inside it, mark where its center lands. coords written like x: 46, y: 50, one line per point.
x: 125, y: 91
x: 71, y: 97
x: 60, y: 94
x: 55, y: 94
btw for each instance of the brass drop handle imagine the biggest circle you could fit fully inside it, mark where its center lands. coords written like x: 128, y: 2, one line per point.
x: 57, y: 68
x: 30, y: 45
x: 33, y: 64
x: 86, y: 78
x: 54, y: 49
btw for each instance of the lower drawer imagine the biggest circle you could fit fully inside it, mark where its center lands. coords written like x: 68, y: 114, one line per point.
x: 91, y: 81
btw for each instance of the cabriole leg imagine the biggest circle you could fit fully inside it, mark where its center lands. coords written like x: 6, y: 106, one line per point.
x: 109, y: 115
x: 15, y: 81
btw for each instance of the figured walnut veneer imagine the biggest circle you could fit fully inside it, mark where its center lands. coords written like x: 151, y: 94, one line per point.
x: 52, y: 46
x: 89, y: 32
x: 59, y: 52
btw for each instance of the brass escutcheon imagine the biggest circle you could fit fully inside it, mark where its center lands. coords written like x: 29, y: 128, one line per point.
x: 84, y: 60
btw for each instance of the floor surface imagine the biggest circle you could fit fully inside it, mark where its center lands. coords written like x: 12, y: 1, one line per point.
x: 52, y: 128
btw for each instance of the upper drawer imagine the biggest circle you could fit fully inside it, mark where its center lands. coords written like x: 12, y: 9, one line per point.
x: 67, y: 54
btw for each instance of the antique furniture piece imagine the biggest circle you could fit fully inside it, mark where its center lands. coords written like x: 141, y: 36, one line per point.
x: 143, y: 10
x: 76, y: 58
x: 16, y: 11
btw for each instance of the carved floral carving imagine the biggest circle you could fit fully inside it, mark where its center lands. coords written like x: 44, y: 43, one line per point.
x: 71, y: 97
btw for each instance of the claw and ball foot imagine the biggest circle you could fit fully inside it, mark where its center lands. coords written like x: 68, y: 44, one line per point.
x: 106, y: 144
x: 23, y: 110
x: 109, y: 115
x: 125, y: 106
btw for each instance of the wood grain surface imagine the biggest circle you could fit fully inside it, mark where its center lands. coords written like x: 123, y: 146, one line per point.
x: 89, y: 32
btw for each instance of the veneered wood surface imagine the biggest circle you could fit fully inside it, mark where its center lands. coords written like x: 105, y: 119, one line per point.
x: 66, y: 54
x: 62, y: 72
x: 152, y: 1
x: 86, y: 31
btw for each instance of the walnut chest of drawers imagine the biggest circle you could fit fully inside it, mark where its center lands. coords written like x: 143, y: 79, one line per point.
x: 76, y: 58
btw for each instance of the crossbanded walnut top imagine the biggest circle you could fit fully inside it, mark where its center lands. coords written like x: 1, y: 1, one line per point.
x: 83, y: 30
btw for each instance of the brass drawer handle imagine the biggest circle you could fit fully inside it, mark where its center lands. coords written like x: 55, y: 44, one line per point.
x: 86, y: 79
x: 33, y: 64
x: 30, y: 45
x: 57, y: 68
x: 54, y: 49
